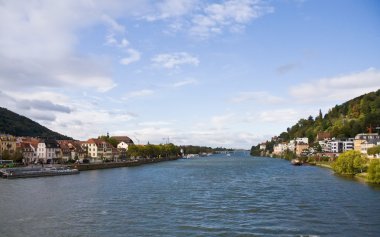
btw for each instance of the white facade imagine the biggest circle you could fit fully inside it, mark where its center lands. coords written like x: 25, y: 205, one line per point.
x: 48, y: 151
x: 41, y: 151
x: 123, y: 145
x: 304, y: 140
x: 92, y: 150
x: 348, y: 145
x: 280, y: 148
x: 292, y: 145
x: 335, y: 146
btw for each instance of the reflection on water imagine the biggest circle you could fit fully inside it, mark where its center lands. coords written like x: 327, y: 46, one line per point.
x: 213, y: 196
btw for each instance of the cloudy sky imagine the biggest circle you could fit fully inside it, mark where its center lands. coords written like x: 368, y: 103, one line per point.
x: 226, y: 73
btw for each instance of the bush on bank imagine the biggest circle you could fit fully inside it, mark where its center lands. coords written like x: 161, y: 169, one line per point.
x: 374, y: 171
x: 350, y: 163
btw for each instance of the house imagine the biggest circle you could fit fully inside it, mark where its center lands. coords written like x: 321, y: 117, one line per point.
x: 263, y: 146
x: 29, y: 151
x: 278, y: 149
x: 303, y: 140
x: 363, y: 141
x: 7, y: 143
x: 72, y: 150
x: 321, y: 136
x: 98, y: 150
x: 300, y: 147
x: 123, y: 142
x: 48, y: 151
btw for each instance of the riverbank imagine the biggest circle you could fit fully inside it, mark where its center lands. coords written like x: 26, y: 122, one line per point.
x: 111, y: 165
x: 361, y: 177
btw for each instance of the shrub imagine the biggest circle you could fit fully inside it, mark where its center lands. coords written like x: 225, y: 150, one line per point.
x: 374, y: 171
x: 349, y: 163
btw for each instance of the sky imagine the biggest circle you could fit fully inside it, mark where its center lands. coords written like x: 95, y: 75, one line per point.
x: 220, y: 73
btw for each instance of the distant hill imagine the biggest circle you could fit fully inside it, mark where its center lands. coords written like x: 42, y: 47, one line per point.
x: 17, y: 125
x: 342, y: 121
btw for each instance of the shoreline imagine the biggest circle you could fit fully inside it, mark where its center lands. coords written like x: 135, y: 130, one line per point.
x: 111, y: 165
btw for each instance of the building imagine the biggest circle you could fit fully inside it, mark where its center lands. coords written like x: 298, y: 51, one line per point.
x: 300, y: 147
x: 321, y: 136
x: 303, y: 140
x: 263, y: 146
x: 48, y: 151
x: 123, y: 142
x: 335, y: 146
x: 7, y: 144
x: 280, y: 148
x: 363, y: 141
x: 348, y: 145
x: 71, y: 150
x: 29, y: 151
x: 98, y: 150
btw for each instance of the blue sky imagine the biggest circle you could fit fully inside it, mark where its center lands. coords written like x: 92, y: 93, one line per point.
x: 226, y: 73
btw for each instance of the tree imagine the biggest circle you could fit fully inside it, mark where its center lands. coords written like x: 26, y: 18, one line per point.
x: 374, y: 171
x: 373, y: 150
x: 349, y: 163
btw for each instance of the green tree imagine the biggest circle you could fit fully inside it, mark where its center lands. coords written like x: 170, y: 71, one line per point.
x: 373, y: 150
x: 349, y: 163
x: 374, y: 171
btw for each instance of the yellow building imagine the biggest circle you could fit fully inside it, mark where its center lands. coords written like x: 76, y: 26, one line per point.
x: 363, y: 141
x: 7, y: 143
x: 300, y: 147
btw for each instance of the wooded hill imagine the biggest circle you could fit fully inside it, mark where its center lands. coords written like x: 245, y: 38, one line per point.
x: 343, y: 121
x: 17, y: 125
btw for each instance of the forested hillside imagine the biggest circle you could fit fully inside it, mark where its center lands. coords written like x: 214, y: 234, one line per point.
x: 17, y: 125
x: 342, y: 121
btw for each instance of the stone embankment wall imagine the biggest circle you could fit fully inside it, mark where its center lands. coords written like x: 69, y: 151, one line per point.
x: 109, y: 165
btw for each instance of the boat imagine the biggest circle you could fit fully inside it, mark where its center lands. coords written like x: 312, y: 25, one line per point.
x: 296, y: 162
x: 36, y: 172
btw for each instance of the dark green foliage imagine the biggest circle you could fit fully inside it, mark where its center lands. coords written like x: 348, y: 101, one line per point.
x: 255, y: 150
x: 17, y: 125
x: 202, y: 149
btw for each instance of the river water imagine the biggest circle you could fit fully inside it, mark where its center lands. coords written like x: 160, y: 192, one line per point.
x: 214, y: 196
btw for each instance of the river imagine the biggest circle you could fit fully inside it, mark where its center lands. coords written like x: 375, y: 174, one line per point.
x: 214, y: 196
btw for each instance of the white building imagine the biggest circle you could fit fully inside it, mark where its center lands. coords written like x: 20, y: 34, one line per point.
x: 303, y: 140
x: 48, y: 150
x: 280, y: 148
x: 123, y: 145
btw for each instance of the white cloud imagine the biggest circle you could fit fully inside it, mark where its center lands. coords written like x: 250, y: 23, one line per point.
x: 113, y: 25
x: 339, y: 88
x: 256, y: 96
x: 38, y: 40
x: 116, y: 31
x: 283, y: 115
x: 140, y: 93
x: 230, y: 14
x: 185, y: 83
x: 171, y: 8
x: 174, y: 60
x: 221, y: 121
x: 133, y: 56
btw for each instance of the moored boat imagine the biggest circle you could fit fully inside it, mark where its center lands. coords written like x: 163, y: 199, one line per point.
x: 296, y: 162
